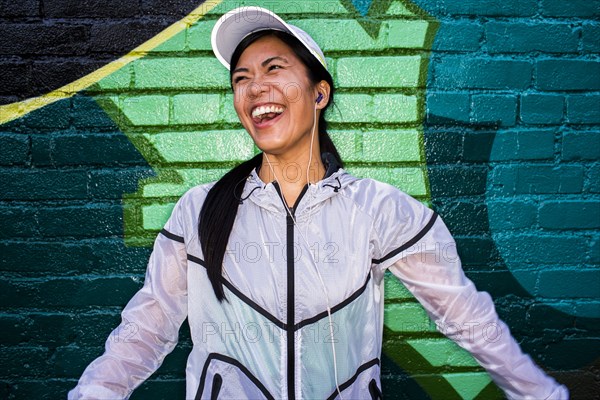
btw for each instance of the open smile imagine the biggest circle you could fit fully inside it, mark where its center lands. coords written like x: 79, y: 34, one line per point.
x: 266, y: 115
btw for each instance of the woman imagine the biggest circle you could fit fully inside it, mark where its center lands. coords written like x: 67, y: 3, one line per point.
x: 279, y: 265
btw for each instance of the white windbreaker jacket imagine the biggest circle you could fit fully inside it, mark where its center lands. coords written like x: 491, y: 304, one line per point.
x: 271, y: 338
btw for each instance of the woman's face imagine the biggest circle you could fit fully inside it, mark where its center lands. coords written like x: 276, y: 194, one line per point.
x: 273, y: 96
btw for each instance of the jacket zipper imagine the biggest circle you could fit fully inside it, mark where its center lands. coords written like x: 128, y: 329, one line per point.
x: 291, y: 381
x: 291, y: 365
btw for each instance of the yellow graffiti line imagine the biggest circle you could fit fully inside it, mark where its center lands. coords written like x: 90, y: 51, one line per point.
x: 10, y: 112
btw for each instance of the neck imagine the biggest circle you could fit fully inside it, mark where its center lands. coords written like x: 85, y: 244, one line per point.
x: 291, y: 172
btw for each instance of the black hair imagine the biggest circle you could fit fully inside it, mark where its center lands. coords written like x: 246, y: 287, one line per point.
x: 219, y: 210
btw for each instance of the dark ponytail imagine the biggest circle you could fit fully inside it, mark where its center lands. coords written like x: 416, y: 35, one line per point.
x: 219, y: 210
x: 217, y: 217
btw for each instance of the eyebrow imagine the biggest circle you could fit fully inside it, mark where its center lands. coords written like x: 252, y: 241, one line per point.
x: 263, y: 64
x: 240, y: 70
x: 268, y: 60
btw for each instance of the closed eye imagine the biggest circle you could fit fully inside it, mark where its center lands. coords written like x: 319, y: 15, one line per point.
x: 238, y: 78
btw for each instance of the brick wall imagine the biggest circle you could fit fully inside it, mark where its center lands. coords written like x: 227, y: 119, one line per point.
x: 512, y: 148
x: 486, y: 110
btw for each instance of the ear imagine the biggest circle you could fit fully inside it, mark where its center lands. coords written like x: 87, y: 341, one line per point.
x: 323, y: 88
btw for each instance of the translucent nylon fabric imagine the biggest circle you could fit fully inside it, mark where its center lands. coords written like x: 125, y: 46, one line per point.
x: 348, y: 230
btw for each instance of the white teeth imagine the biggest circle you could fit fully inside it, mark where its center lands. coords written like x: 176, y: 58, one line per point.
x: 259, y: 111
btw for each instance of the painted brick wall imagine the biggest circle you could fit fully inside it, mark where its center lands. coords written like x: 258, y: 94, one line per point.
x: 489, y: 111
x: 512, y: 144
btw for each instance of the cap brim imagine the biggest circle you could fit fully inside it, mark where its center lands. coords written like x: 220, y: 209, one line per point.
x: 236, y: 24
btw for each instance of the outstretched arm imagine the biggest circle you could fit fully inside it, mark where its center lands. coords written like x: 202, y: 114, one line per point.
x: 414, y: 243
x: 432, y: 272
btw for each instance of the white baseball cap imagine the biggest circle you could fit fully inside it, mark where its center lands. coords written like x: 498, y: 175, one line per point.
x: 238, y: 23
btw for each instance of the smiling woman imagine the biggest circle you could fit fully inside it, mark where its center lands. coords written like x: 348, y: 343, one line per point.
x: 273, y: 88
x: 277, y: 83
x: 262, y: 85
x: 279, y: 265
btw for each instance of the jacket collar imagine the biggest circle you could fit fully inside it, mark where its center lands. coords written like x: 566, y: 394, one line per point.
x: 265, y: 195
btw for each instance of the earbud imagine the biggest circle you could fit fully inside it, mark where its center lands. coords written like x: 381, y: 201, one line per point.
x: 319, y: 98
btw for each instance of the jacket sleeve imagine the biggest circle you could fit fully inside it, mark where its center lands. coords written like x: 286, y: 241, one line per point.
x: 421, y: 252
x: 150, y: 323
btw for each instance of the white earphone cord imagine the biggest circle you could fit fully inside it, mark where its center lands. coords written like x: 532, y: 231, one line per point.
x: 330, y: 319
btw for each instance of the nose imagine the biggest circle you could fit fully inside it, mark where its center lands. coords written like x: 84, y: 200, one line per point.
x: 258, y: 87
x: 254, y: 90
